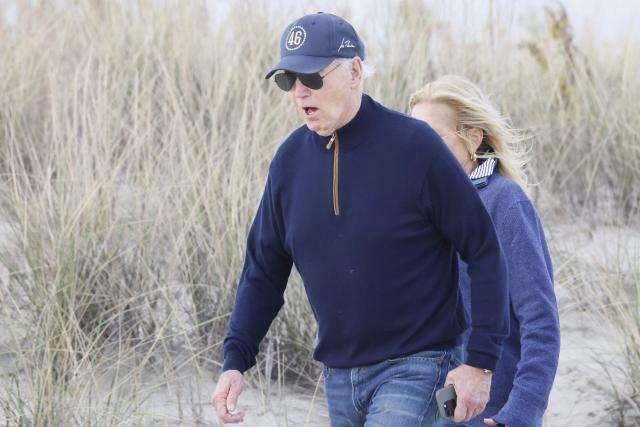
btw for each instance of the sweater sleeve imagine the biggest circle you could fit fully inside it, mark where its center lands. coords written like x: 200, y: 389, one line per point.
x: 455, y: 208
x: 534, y: 304
x: 261, y: 287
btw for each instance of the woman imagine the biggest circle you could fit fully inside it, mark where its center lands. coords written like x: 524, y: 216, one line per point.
x: 485, y: 145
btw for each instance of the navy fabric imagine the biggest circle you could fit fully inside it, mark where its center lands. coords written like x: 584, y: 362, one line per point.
x: 382, y: 276
x: 310, y: 43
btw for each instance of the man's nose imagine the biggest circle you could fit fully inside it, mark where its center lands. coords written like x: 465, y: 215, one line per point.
x: 300, y: 90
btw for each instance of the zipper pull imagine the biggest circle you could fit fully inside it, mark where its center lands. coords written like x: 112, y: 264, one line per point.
x: 330, y: 143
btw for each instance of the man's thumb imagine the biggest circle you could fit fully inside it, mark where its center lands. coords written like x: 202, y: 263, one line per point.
x: 449, y: 380
x: 234, y: 392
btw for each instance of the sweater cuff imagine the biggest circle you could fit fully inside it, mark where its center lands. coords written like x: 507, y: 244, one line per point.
x: 234, y: 360
x: 520, y: 412
x: 481, y: 360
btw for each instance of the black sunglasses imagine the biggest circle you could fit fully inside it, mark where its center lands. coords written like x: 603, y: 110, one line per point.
x: 287, y: 79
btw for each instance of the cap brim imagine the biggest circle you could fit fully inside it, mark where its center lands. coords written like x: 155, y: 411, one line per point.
x: 300, y: 64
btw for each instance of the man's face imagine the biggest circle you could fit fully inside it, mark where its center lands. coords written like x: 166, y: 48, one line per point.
x: 325, y: 109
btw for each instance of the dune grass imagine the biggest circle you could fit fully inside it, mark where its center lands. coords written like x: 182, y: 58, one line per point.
x: 134, y: 143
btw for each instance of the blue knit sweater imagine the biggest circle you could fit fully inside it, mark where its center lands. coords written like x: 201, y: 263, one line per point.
x: 524, y: 375
x: 372, y: 219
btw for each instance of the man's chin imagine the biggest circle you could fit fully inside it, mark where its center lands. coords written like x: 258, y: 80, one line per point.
x: 317, y: 129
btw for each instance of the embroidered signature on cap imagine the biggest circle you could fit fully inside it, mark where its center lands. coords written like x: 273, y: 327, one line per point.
x: 296, y: 38
x: 345, y: 43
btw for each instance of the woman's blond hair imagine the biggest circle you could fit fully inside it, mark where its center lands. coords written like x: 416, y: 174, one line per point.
x: 474, y: 110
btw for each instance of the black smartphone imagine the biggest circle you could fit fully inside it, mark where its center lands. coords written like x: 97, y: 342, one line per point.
x: 446, y: 399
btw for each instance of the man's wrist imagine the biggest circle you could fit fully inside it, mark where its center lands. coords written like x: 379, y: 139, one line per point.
x: 481, y: 360
x: 484, y: 371
x: 234, y: 361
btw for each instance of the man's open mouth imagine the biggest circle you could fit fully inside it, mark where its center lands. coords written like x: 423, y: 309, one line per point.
x: 308, y: 111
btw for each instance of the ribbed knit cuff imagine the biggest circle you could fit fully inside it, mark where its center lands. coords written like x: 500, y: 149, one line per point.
x: 234, y: 360
x: 481, y: 360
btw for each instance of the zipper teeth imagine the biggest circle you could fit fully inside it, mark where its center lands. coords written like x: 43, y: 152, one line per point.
x: 336, y: 153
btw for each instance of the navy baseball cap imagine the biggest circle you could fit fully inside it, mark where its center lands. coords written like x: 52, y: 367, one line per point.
x: 310, y: 43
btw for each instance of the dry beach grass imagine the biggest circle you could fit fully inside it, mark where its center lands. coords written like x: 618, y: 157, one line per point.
x: 134, y: 143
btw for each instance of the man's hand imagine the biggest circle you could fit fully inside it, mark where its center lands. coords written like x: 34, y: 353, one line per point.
x: 472, y: 387
x: 492, y: 422
x: 225, y: 397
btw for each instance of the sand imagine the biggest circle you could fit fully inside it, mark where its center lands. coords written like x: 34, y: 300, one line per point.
x: 581, y: 395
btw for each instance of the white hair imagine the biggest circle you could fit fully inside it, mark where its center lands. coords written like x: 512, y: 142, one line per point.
x: 367, y: 70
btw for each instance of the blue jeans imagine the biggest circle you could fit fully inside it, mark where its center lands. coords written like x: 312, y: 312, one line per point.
x: 396, y: 392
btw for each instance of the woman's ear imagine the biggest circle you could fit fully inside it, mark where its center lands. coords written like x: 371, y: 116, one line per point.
x: 475, y: 136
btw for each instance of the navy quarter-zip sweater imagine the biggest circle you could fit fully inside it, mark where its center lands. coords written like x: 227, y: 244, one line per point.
x: 372, y: 219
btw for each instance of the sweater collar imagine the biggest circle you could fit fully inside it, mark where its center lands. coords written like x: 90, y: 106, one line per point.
x: 480, y: 175
x: 358, y: 122
x: 354, y: 132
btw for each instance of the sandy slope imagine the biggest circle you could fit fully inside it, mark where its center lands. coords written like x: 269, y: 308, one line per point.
x: 579, y: 397
x: 581, y: 392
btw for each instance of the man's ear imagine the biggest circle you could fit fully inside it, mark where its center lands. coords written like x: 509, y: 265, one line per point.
x: 357, y: 72
x: 475, y: 136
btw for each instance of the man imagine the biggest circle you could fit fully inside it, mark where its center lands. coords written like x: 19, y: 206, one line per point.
x: 371, y: 207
